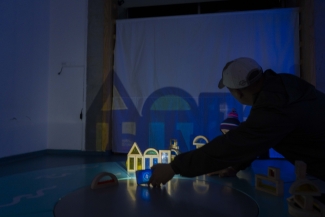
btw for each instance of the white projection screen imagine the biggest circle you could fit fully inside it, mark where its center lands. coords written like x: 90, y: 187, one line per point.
x: 166, y: 72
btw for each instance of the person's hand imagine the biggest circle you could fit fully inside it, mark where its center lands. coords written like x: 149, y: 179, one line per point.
x: 228, y: 172
x: 161, y: 174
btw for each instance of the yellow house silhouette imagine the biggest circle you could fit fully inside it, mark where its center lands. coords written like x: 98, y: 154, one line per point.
x: 134, y: 160
x: 137, y: 161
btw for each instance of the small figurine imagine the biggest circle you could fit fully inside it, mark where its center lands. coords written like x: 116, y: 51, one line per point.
x: 174, y: 149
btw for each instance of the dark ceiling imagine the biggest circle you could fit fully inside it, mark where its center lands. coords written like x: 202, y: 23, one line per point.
x: 202, y: 8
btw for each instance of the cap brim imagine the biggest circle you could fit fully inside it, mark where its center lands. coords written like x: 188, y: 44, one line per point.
x: 221, y: 85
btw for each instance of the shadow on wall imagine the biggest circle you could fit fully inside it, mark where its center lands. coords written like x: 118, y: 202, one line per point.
x: 98, y: 119
x: 168, y: 113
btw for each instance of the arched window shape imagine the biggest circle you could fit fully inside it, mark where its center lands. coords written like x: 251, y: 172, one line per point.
x: 150, y: 158
x: 199, y: 141
x: 305, y: 187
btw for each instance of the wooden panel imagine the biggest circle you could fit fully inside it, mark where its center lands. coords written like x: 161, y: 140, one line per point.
x: 110, y: 7
x: 307, y: 41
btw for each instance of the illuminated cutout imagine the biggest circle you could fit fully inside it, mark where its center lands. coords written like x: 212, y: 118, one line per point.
x: 137, y: 161
x: 174, y: 149
x: 271, y: 183
x: 135, y: 150
x: 131, y: 163
x: 150, y: 157
x: 134, y: 159
x: 198, y: 143
x: 269, y: 186
x: 173, y: 144
x: 302, y: 201
x: 273, y: 172
x: 299, y: 199
x: 304, y: 187
x: 305, y: 205
x: 151, y: 152
x: 173, y: 154
x: 164, y: 156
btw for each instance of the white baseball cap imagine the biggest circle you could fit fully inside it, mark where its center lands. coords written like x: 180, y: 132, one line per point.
x: 238, y: 73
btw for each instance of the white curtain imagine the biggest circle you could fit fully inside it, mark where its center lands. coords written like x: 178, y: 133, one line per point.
x: 167, y: 70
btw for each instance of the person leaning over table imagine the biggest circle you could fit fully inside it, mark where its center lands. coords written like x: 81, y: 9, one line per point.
x: 287, y: 115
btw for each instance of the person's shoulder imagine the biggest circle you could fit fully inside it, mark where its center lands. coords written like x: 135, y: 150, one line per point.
x: 272, y: 94
x: 289, y: 88
x: 286, y: 79
x: 290, y: 76
x: 271, y: 73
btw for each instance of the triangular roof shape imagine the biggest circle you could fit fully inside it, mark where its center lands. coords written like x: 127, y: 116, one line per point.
x: 118, y: 102
x: 135, y: 150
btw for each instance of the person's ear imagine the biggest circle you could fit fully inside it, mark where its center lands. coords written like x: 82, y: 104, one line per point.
x: 239, y: 93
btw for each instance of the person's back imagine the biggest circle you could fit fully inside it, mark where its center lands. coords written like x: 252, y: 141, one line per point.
x: 288, y: 115
x: 304, y: 107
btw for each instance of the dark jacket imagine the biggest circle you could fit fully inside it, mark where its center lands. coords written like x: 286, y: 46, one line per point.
x: 288, y: 115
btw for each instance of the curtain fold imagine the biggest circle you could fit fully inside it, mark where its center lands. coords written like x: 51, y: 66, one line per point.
x: 167, y: 70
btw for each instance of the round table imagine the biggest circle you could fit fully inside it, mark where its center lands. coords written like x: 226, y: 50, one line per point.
x: 179, y: 197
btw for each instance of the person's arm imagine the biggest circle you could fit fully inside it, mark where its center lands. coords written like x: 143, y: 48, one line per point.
x: 262, y: 130
x: 228, y: 172
x: 232, y: 170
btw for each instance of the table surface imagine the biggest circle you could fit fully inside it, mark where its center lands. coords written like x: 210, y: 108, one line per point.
x: 180, y: 197
x: 203, y: 195
x: 33, y: 189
